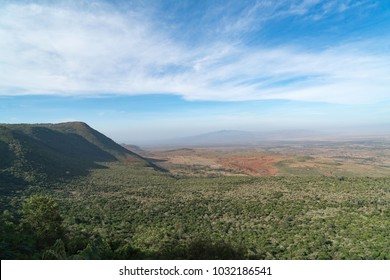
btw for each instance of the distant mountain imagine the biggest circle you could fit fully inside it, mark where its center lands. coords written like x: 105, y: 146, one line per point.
x: 30, y: 152
x: 238, y: 137
x: 222, y: 137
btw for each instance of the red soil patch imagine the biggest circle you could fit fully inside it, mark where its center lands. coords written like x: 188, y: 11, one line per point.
x: 255, y: 165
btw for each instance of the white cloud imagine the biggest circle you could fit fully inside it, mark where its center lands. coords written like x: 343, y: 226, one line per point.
x: 68, y: 51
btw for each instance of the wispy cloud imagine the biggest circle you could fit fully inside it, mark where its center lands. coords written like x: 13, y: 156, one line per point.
x: 64, y: 50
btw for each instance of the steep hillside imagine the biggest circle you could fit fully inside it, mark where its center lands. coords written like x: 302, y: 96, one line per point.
x: 32, y: 152
x: 135, y: 149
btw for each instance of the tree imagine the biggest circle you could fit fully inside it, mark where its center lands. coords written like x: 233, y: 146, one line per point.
x: 41, y: 215
x: 13, y: 243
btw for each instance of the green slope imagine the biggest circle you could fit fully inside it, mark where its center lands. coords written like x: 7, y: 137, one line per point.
x: 32, y: 152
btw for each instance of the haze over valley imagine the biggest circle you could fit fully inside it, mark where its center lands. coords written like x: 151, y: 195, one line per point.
x: 147, y: 129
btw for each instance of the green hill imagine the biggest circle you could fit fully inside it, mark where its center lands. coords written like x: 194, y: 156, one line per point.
x: 31, y: 152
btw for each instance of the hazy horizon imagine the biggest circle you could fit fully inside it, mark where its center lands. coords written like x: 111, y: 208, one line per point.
x: 144, y: 71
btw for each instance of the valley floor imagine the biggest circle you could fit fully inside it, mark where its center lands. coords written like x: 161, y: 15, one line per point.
x: 300, y: 158
x: 132, y: 213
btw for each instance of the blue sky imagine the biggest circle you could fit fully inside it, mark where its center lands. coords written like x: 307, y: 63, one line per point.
x: 142, y: 70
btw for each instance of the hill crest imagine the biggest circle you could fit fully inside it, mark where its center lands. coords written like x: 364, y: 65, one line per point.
x: 39, y: 151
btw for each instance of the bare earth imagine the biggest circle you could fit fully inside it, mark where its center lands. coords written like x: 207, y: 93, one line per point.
x: 353, y: 158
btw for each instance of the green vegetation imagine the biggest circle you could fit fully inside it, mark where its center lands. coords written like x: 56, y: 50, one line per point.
x: 127, y: 210
x: 132, y: 213
x: 41, y: 217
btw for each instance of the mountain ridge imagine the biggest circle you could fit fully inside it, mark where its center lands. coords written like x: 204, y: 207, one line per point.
x: 34, y: 152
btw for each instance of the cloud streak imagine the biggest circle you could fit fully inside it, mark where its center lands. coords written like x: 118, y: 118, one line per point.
x: 64, y: 50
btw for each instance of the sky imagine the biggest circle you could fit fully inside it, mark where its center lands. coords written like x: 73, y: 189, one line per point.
x: 140, y: 71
